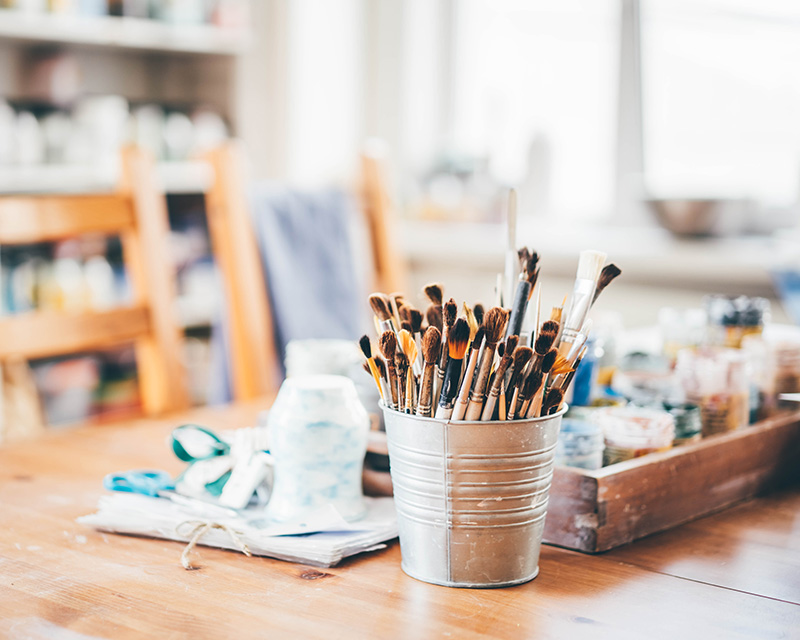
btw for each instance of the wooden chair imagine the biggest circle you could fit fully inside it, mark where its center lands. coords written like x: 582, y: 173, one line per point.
x: 253, y: 353
x: 137, y: 213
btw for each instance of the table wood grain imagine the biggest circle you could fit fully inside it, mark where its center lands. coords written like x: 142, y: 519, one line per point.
x: 732, y: 575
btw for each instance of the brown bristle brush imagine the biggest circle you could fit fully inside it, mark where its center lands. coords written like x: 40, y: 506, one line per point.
x: 408, y: 347
x: 530, y: 387
x: 498, y: 385
x: 380, y: 307
x: 527, y: 280
x: 494, y: 323
x: 433, y: 315
x: 543, y: 344
x: 479, y: 312
x: 431, y: 349
x: 414, y: 317
x: 384, y: 378
x: 449, y: 313
x: 388, y: 347
x: 522, y: 356
x: 401, y: 368
x: 552, y: 401
x: 457, y: 343
x: 463, y: 394
x: 435, y: 293
x: 609, y: 272
x: 366, y: 349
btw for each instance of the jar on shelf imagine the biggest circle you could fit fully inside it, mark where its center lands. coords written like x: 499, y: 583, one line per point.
x: 318, y: 438
x: 718, y: 381
x: 630, y: 432
x: 732, y: 318
x: 776, y: 370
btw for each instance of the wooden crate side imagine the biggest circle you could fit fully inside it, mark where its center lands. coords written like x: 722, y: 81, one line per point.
x: 646, y: 496
x: 572, y: 518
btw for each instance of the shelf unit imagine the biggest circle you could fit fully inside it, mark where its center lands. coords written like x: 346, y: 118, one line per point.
x: 143, y: 61
x: 120, y: 33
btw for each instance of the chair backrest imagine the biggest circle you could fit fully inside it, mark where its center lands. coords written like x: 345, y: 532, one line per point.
x: 253, y: 357
x: 253, y: 354
x: 137, y: 213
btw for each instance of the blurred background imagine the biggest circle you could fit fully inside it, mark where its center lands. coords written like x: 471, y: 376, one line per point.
x: 664, y: 132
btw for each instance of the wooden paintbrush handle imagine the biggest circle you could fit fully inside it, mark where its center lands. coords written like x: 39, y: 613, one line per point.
x: 475, y: 407
x: 425, y: 401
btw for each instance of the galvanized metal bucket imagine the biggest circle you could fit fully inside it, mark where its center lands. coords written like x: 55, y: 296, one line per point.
x: 471, y: 497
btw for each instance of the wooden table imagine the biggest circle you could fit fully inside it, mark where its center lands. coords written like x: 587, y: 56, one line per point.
x: 735, y: 574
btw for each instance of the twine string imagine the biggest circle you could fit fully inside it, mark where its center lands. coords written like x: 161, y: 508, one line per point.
x: 198, y: 529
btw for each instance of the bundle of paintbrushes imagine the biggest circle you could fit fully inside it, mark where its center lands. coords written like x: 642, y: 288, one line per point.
x: 484, y: 366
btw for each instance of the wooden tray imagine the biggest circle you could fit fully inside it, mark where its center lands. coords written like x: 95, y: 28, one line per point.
x: 595, y: 511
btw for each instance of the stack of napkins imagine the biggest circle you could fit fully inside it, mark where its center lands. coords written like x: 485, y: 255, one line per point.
x: 321, y: 539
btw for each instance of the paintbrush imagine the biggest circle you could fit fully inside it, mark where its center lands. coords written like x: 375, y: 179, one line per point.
x: 388, y: 347
x: 544, y: 342
x: 414, y: 317
x: 552, y: 401
x: 431, y: 348
x: 522, y: 356
x: 478, y: 311
x: 590, y: 265
x: 497, y: 385
x: 527, y: 280
x: 510, y: 273
x: 493, y: 323
x: 532, y: 383
x: 408, y: 347
x: 433, y: 315
x: 401, y: 366
x: 380, y: 307
x: 366, y: 349
x: 609, y: 272
x: 457, y: 342
x: 384, y: 378
x: 396, y: 302
x: 449, y: 313
x: 466, y: 383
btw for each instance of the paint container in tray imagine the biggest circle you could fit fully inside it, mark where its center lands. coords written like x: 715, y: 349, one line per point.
x: 630, y: 432
x: 718, y: 381
x: 688, y: 425
x: 775, y: 362
x: 732, y: 318
x: 471, y: 497
x: 580, y: 442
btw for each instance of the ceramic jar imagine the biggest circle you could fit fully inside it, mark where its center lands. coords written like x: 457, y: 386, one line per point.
x: 318, y: 438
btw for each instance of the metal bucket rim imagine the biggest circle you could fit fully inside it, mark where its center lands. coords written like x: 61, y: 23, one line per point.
x: 456, y: 423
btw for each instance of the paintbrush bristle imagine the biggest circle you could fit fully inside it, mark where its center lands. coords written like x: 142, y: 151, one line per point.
x: 544, y: 341
x: 561, y: 365
x: 449, y: 313
x: 479, y: 312
x: 415, y: 318
x: 435, y: 293
x: 407, y: 344
x: 381, y: 367
x: 458, y: 339
x: 556, y: 313
x: 532, y: 384
x: 401, y: 362
x: 549, y: 360
x: 366, y: 346
x: 552, y: 401
x: 388, y: 345
x: 365, y: 366
x: 522, y: 356
x: 433, y: 315
x: 590, y: 264
x: 550, y: 326
x: 477, y: 339
x: 495, y: 323
x: 471, y: 321
x: 380, y: 306
x: 431, y: 345
x: 406, y: 326
x: 609, y: 272
x: 511, y: 344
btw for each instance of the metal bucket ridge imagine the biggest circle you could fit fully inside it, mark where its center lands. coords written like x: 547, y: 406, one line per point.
x: 471, y: 497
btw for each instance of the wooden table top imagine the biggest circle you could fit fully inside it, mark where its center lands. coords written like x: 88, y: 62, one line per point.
x: 732, y: 575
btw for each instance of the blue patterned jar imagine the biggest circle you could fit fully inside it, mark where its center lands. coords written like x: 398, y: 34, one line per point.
x: 318, y: 438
